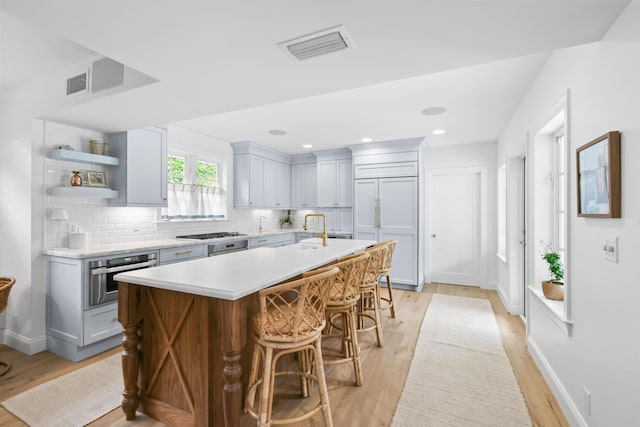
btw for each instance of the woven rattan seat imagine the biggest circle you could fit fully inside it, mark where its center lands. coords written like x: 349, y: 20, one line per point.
x: 290, y: 320
x: 386, y: 303
x: 5, y: 287
x: 370, y: 294
x: 343, y: 298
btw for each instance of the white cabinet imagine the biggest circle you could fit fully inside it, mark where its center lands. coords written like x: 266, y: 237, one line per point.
x: 141, y: 177
x: 272, y: 240
x: 73, y: 331
x: 277, y: 185
x: 304, y: 186
x: 387, y: 209
x: 338, y: 219
x: 261, y: 177
x: 335, y: 183
x: 181, y: 253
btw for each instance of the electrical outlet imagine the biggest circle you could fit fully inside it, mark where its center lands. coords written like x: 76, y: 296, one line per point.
x: 586, y: 396
x: 610, y: 248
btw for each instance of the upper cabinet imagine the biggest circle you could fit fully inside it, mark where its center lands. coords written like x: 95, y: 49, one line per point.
x: 141, y: 177
x: 261, y: 177
x: 335, y: 179
x: 304, y: 182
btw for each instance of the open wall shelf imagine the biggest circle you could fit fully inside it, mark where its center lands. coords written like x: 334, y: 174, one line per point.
x: 82, y: 157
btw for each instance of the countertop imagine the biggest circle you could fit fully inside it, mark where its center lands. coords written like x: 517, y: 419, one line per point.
x: 149, y: 245
x: 237, y: 274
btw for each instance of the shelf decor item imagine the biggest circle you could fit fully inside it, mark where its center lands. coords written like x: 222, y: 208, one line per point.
x: 286, y: 221
x: 99, y: 147
x: 554, y: 287
x: 76, y: 179
x: 598, y: 169
x: 96, y: 179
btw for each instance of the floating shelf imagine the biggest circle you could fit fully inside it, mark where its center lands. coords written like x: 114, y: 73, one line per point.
x: 105, y: 193
x: 82, y: 157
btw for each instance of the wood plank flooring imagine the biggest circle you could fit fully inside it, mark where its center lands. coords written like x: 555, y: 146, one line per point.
x: 384, y: 369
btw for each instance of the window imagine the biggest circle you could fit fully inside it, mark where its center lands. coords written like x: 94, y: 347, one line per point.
x: 195, y: 190
x: 560, y: 197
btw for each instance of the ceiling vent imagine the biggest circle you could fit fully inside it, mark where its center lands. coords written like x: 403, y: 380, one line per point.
x: 319, y: 43
x: 78, y: 84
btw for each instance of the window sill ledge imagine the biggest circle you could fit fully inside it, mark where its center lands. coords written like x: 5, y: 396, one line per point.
x: 554, y: 309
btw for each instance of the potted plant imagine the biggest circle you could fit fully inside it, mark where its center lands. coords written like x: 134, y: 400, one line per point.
x: 554, y: 287
x: 286, y: 221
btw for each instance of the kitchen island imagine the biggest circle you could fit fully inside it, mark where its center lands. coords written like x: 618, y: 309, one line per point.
x: 187, y: 335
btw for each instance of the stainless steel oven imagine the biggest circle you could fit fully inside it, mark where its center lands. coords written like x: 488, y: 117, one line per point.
x: 102, y: 287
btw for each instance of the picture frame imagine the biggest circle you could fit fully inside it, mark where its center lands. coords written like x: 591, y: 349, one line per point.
x: 96, y: 179
x: 598, y: 173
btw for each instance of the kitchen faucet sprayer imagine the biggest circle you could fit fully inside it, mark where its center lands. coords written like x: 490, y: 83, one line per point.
x: 324, y: 226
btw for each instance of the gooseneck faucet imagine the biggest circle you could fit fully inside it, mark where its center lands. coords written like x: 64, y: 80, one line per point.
x: 324, y: 226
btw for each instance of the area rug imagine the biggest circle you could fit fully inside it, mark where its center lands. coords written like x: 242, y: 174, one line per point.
x: 460, y: 374
x: 74, y: 399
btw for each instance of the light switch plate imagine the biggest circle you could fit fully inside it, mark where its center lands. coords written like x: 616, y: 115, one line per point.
x: 611, y: 248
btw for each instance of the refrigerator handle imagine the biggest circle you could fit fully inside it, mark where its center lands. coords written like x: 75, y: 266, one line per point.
x: 377, y: 217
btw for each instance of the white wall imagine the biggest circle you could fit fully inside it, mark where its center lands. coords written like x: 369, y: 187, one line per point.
x: 601, y: 353
x: 473, y: 155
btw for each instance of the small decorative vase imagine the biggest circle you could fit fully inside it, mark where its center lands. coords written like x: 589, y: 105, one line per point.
x: 76, y: 179
x: 553, y: 289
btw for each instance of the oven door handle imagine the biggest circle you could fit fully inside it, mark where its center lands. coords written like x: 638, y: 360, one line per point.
x: 105, y: 270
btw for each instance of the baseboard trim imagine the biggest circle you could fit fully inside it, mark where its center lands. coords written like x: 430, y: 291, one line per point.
x: 24, y: 344
x: 568, y: 406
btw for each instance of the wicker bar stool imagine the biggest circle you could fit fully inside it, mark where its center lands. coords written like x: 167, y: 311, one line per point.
x: 344, y: 295
x: 386, y: 303
x: 291, y: 319
x: 5, y: 287
x: 370, y: 293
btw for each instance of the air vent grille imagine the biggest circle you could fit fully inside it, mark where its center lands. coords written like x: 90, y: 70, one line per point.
x: 77, y: 84
x: 320, y: 43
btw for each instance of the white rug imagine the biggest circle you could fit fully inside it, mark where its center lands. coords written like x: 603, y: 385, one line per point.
x: 74, y: 399
x: 460, y: 374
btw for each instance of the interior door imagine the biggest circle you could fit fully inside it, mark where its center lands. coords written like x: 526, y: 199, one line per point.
x: 455, y: 232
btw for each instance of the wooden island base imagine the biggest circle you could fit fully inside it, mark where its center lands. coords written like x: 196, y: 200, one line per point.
x: 185, y: 358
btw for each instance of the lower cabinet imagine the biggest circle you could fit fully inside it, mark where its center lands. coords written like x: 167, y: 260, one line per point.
x: 272, y: 240
x: 100, y: 323
x: 182, y: 253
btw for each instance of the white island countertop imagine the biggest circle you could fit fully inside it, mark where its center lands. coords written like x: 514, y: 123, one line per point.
x: 237, y: 274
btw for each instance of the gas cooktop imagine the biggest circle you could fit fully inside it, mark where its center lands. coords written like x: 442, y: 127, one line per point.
x: 207, y: 236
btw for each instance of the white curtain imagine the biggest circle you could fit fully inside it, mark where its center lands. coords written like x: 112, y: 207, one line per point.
x: 187, y: 201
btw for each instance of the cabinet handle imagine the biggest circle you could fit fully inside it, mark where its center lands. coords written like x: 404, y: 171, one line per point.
x: 262, y: 241
x: 184, y: 252
x: 377, y: 213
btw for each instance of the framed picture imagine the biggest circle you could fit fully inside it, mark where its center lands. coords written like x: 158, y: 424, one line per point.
x: 598, y: 169
x: 96, y: 179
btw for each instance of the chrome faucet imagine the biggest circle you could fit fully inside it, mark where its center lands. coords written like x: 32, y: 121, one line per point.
x: 324, y: 226
x: 260, y: 224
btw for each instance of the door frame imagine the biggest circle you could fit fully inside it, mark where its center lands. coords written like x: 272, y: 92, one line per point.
x: 484, y: 203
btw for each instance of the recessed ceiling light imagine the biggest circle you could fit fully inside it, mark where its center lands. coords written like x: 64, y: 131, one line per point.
x: 438, y: 131
x: 277, y: 132
x: 433, y: 111
x: 307, y: 146
x: 366, y: 139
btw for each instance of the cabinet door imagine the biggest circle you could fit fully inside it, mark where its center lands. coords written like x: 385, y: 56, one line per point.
x: 147, y: 167
x: 283, y: 185
x: 326, y: 184
x: 310, y: 186
x: 365, y: 215
x: 332, y: 219
x: 256, y: 182
x: 344, y: 183
x: 298, y: 186
x: 399, y: 221
x: 270, y: 184
x: 241, y: 180
x: 344, y: 219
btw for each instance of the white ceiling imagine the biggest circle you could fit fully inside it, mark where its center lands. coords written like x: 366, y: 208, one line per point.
x: 219, y: 61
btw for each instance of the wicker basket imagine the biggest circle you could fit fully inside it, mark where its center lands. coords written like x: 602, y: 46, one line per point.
x: 5, y: 287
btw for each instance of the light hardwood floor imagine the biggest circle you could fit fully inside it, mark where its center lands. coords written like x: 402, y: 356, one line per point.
x: 385, y: 369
